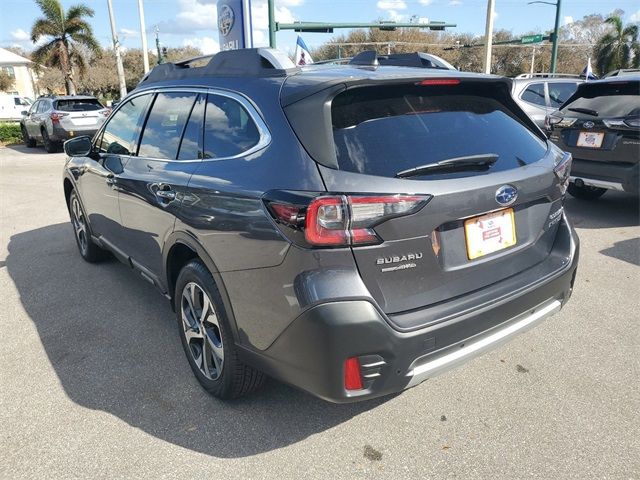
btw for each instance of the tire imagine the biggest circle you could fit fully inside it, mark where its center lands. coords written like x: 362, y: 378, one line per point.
x: 89, y: 251
x: 206, y: 336
x: 28, y: 141
x: 49, y: 145
x: 586, y: 192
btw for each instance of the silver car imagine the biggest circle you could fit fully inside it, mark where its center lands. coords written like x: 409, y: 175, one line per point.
x: 539, y: 94
x: 52, y: 120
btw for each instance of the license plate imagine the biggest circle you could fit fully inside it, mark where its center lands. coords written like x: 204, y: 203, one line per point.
x: 590, y: 139
x: 84, y: 121
x: 489, y: 233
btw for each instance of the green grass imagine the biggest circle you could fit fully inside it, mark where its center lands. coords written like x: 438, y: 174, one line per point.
x: 10, y: 132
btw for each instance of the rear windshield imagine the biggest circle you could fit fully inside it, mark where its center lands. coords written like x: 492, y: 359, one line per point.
x: 607, y: 100
x: 77, y: 105
x: 384, y: 130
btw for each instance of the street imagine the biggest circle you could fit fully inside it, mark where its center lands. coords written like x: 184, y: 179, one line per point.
x: 94, y: 382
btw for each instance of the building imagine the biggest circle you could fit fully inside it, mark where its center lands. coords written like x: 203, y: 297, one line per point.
x: 19, y: 68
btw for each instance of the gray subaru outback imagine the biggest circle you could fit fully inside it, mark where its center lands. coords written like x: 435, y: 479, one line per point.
x: 351, y: 230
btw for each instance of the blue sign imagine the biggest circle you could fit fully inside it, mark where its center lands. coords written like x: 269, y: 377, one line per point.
x: 234, y: 24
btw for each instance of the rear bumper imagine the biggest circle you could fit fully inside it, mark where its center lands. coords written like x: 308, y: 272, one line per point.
x: 60, y: 134
x: 612, y: 176
x: 310, y: 353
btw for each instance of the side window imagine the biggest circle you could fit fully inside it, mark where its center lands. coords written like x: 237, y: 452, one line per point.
x: 191, y: 143
x: 34, y: 108
x: 120, y: 133
x: 560, y: 92
x: 45, y: 106
x: 228, y: 128
x: 164, y: 127
x: 534, y: 93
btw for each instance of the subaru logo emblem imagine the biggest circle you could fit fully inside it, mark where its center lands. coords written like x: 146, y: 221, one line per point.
x: 226, y: 19
x: 588, y: 124
x: 506, y: 195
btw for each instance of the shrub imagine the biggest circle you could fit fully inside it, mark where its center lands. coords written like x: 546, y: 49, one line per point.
x: 10, y: 132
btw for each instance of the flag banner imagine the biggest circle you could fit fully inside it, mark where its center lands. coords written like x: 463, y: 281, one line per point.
x: 303, y: 57
x: 587, y: 73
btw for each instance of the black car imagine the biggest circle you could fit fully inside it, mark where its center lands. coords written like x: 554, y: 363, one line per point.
x: 352, y: 230
x: 600, y: 125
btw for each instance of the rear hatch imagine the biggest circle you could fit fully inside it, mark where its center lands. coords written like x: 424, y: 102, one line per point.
x: 80, y: 113
x: 494, y: 199
x: 602, y: 122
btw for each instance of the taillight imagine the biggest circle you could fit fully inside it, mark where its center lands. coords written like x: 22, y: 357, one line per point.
x: 562, y: 170
x: 352, y: 374
x: 342, y: 220
x: 105, y: 112
x: 56, y: 116
x: 439, y: 81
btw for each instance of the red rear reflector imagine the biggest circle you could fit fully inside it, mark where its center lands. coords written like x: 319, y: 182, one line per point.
x: 352, y: 376
x: 439, y: 81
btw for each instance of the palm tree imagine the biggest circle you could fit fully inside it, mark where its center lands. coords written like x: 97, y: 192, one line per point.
x: 619, y: 48
x: 66, y: 34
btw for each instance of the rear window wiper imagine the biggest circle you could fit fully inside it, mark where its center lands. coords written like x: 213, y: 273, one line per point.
x: 587, y: 111
x: 451, y: 164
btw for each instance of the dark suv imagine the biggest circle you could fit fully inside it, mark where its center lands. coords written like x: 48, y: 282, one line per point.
x: 351, y: 230
x: 600, y: 125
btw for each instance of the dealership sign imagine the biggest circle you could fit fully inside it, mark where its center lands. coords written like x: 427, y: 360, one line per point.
x: 234, y: 24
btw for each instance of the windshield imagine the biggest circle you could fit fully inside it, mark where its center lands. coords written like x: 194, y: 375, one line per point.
x: 384, y: 130
x: 619, y: 99
x: 77, y: 105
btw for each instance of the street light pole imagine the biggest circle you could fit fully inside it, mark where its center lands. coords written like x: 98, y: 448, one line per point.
x: 556, y: 31
x: 488, y: 37
x: 272, y: 24
x: 143, y: 37
x: 116, y: 48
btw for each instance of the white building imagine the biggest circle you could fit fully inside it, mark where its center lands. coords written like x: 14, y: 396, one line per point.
x: 19, y: 68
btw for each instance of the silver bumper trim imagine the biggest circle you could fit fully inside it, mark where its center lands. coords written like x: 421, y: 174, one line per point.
x: 472, y: 350
x: 599, y: 183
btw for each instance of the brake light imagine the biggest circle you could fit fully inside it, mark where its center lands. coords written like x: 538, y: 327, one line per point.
x: 439, y: 81
x: 352, y: 374
x: 56, y: 116
x: 562, y: 170
x: 349, y: 219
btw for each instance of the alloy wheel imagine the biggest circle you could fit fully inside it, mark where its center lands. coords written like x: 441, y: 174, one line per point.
x: 201, y: 330
x: 79, y: 223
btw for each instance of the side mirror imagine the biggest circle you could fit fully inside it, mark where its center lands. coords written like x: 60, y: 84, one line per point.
x: 24, y: 113
x: 78, y: 147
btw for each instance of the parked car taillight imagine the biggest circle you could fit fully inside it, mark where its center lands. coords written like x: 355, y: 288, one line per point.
x: 562, y: 170
x: 341, y: 220
x: 105, y: 112
x: 56, y: 116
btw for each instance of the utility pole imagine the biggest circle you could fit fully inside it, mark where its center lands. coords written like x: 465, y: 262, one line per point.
x: 556, y: 31
x: 158, y: 49
x: 143, y: 37
x: 488, y: 37
x: 116, y: 48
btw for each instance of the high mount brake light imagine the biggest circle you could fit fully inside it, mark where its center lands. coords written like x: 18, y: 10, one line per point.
x: 341, y: 220
x: 439, y: 81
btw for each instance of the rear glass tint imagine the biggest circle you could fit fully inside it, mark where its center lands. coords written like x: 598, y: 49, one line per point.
x: 560, y: 92
x: 534, y: 93
x: 384, y: 130
x: 77, y: 105
x: 608, y: 99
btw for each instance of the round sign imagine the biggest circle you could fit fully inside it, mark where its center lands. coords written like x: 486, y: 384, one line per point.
x: 226, y: 18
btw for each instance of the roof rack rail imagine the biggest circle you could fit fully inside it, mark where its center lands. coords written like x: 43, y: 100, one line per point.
x: 255, y: 62
x: 547, y: 75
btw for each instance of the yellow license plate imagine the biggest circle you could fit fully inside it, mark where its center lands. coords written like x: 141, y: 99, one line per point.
x: 490, y: 233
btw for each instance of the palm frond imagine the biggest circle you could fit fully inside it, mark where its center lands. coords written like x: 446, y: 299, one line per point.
x: 45, y: 53
x: 79, y: 11
x: 87, y: 40
x: 52, y: 9
x: 44, y: 27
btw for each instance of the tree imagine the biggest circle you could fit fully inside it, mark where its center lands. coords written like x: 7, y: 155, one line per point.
x: 619, y: 48
x: 6, y: 81
x: 66, y: 35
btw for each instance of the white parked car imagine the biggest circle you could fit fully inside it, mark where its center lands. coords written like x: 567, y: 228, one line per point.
x: 12, y: 106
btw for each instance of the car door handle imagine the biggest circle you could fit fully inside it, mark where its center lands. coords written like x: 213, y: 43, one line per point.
x: 164, y: 191
x: 110, y: 179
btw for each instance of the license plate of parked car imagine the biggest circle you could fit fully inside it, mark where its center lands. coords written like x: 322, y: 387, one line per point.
x: 489, y: 233
x: 590, y: 139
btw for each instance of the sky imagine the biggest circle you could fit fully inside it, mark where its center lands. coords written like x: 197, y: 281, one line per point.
x: 193, y: 22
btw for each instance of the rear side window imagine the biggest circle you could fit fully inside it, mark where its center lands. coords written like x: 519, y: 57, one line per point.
x: 78, y: 105
x: 43, y: 106
x: 165, y: 125
x: 121, y: 132
x: 191, y: 143
x: 560, y: 92
x: 616, y: 99
x: 229, y: 130
x: 384, y: 130
x: 534, y: 93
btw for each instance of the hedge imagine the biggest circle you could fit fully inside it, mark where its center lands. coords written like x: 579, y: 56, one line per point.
x: 10, y: 132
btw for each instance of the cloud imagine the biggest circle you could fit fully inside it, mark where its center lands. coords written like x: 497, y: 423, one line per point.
x: 391, y: 5
x: 455, y: 3
x: 568, y: 20
x: 425, y: 2
x: 128, y: 33
x: 206, y: 44
x: 635, y: 17
x: 19, y: 35
x: 495, y: 15
x: 395, y: 16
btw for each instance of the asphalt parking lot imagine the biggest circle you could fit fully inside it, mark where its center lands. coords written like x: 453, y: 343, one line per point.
x: 94, y: 383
